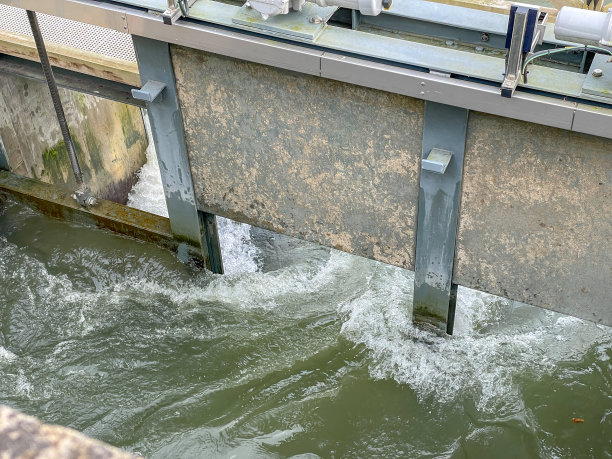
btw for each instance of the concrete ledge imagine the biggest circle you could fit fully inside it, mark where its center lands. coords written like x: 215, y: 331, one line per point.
x: 58, y: 203
x: 25, y: 436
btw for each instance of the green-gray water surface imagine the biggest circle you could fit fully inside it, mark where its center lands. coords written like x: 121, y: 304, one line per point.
x: 311, y: 355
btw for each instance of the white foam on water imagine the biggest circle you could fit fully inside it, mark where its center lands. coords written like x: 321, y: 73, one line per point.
x: 255, y: 290
x: 148, y: 193
x: 6, y: 355
x: 238, y: 251
x: 496, y: 341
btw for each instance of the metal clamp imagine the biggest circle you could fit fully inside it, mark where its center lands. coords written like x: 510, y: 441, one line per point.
x: 175, y: 9
x: 526, y: 26
x: 149, y: 92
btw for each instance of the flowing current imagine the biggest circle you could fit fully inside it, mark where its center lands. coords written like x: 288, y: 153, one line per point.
x: 299, y: 351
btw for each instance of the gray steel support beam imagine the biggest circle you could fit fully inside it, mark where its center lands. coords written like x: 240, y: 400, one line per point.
x: 189, y: 229
x: 444, y: 132
x: 535, y: 108
x: 211, y: 238
x: 4, y: 162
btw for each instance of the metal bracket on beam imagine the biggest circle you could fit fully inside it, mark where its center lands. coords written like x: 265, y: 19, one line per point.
x: 444, y: 134
x: 173, y: 11
x: 149, y: 91
x: 526, y: 27
x: 355, y: 19
x: 437, y: 161
x: 4, y: 162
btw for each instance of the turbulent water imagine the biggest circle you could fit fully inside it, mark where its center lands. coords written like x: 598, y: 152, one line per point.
x: 299, y: 351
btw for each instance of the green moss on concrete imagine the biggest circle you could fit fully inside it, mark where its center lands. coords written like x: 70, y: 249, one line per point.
x: 94, y: 150
x: 56, y: 163
x: 80, y: 100
x: 131, y: 135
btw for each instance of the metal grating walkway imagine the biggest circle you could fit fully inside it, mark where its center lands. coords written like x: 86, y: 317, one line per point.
x: 86, y: 37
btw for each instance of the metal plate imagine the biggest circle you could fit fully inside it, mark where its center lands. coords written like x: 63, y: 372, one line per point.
x: 599, y: 86
x: 295, y: 25
x: 153, y: 5
x: 86, y: 37
x: 304, y: 156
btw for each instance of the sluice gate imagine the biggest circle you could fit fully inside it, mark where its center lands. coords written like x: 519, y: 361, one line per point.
x: 386, y: 137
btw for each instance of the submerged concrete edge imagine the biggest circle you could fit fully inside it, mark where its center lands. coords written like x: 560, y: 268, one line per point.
x: 58, y: 203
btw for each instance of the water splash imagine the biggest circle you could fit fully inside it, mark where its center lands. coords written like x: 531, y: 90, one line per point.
x: 496, y: 341
x: 238, y: 252
x: 240, y: 359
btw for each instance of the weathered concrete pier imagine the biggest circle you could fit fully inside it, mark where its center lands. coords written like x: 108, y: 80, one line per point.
x: 382, y: 136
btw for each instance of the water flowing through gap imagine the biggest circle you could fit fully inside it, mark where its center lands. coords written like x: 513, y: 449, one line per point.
x: 299, y: 351
x: 238, y: 253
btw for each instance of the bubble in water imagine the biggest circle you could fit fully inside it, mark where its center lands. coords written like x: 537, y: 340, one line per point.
x: 148, y: 193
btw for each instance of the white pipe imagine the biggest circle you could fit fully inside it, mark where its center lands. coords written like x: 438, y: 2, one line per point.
x: 367, y: 7
x: 584, y: 26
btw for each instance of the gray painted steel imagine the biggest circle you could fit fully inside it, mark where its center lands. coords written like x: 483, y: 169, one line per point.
x: 167, y: 128
x: 312, y: 158
x: 149, y: 92
x: 444, y: 128
x: 208, y: 222
x: 68, y: 79
x: 4, y: 163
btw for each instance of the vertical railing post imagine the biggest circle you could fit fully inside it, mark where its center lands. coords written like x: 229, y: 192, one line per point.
x: 193, y: 229
x: 444, y: 133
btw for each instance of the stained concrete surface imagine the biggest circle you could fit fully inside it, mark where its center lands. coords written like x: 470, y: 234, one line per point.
x: 109, y: 137
x: 536, y: 216
x: 320, y: 160
x: 339, y: 164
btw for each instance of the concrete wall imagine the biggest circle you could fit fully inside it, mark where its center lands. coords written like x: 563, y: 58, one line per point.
x: 536, y: 216
x: 339, y: 165
x: 109, y: 137
x: 323, y: 161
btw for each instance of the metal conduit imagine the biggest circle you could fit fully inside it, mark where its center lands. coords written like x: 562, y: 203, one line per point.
x: 83, y: 194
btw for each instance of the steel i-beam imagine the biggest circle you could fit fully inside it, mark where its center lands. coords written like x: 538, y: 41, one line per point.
x: 159, y: 92
x: 444, y: 134
x: 4, y: 162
